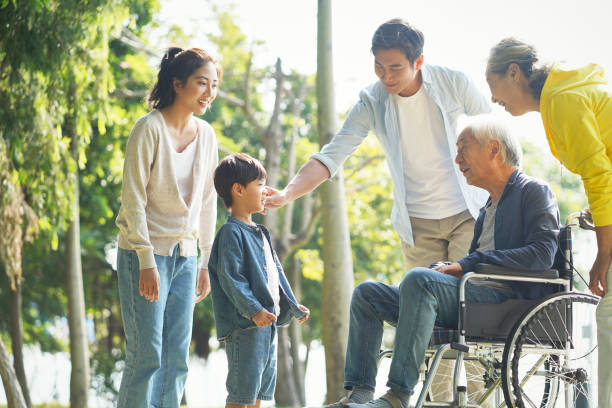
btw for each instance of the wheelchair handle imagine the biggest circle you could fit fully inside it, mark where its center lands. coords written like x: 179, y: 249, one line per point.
x: 584, y: 217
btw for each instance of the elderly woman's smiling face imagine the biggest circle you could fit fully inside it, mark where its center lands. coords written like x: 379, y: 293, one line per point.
x: 511, y: 91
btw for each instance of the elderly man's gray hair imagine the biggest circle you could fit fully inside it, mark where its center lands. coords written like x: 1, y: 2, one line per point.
x: 487, y: 128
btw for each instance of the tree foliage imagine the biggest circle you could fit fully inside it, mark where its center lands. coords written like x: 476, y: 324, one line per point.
x: 61, y: 62
x: 90, y: 62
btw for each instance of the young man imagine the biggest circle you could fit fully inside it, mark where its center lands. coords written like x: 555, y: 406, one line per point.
x: 413, y: 110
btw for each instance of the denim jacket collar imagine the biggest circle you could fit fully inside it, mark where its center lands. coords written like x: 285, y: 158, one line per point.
x: 252, y: 228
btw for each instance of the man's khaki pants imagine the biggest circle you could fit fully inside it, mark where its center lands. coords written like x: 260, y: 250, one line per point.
x: 447, y: 239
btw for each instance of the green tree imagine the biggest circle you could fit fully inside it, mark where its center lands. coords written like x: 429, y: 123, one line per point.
x: 57, y: 73
x: 338, y: 268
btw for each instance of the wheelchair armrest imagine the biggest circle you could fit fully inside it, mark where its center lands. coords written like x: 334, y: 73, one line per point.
x: 491, y: 269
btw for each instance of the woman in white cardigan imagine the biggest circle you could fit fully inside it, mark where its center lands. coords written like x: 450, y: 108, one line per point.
x: 168, y: 204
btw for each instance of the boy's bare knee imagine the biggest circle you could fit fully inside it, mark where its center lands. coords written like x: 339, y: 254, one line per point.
x: 229, y: 405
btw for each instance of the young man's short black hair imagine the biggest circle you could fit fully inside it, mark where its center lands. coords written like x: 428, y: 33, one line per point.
x: 238, y: 168
x: 398, y: 33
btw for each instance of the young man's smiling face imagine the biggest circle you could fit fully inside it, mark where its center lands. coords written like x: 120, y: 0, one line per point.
x: 396, y: 73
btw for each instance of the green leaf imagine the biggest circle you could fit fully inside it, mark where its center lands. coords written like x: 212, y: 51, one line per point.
x: 54, y: 241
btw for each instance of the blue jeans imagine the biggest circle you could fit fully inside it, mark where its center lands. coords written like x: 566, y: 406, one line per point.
x: 424, y: 298
x: 157, y: 333
x: 251, y: 361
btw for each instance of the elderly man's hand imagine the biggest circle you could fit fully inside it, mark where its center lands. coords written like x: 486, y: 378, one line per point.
x: 453, y: 269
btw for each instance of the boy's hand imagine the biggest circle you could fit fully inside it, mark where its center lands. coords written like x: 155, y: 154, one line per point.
x: 263, y: 318
x: 203, y: 285
x: 148, y: 284
x: 305, y: 309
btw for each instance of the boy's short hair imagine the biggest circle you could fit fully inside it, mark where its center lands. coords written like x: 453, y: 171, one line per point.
x: 398, y: 33
x: 238, y: 168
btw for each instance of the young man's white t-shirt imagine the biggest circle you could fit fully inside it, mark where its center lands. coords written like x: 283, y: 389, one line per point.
x: 432, y: 188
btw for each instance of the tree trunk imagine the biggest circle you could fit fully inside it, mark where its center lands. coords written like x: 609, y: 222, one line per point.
x: 273, y: 141
x: 295, y: 335
x: 286, y: 394
x: 338, y: 266
x: 16, y: 329
x: 79, y: 354
x: 14, y: 397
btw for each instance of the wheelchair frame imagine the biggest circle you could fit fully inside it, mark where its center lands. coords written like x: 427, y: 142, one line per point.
x: 469, y: 350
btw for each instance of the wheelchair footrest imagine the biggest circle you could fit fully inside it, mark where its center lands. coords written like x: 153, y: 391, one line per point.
x: 460, y: 347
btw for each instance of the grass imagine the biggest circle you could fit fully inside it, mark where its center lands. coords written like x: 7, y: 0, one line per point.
x: 55, y: 405
x: 45, y: 405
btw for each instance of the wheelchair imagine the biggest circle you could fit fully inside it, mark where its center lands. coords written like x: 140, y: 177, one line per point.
x: 520, y: 353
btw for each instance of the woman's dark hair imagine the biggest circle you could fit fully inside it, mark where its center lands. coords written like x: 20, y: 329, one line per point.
x: 177, y: 64
x: 512, y: 51
x: 238, y: 168
x: 398, y: 33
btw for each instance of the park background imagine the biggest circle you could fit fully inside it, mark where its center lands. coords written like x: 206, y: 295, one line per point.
x: 73, y: 75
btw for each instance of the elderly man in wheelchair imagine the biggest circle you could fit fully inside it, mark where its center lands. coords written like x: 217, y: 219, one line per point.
x: 511, y: 322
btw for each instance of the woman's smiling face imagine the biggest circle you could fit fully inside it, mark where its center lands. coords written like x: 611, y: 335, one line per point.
x: 511, y: 91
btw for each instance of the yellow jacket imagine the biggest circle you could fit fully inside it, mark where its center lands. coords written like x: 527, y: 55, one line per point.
x: 576, y: 110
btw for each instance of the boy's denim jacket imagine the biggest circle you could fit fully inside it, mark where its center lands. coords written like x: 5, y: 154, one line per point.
x: 239, y: 282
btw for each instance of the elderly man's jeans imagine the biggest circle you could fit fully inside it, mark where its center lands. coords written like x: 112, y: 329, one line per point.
x: 157, y: 333
x: 424, y: 298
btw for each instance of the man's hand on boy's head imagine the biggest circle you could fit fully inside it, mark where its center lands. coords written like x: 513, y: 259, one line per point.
x: 203, y: 285
x: 305, y: 309
x: 263, y: 318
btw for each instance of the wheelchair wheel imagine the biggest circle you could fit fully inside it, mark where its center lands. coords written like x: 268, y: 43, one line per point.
x: 551, y: 354
x: 481, y: 375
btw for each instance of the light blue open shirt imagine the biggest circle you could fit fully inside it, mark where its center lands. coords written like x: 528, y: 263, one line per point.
x: 454, y: 94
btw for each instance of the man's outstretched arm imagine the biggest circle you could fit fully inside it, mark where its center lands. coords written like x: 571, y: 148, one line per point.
x: 309, y: 177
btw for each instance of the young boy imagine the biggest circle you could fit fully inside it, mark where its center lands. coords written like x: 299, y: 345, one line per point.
x: 250, y: 293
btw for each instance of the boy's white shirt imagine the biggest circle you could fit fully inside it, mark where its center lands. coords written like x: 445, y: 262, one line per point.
x: 272, y: 272
x: 153, y: 217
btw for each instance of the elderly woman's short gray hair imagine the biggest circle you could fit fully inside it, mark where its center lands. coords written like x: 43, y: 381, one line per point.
x: 487, y: 128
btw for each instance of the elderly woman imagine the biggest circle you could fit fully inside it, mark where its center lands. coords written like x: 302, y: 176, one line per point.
x: 576, y: 111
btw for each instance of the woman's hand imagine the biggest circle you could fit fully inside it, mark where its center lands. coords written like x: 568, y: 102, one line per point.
x: 599, y: 272
x: 598, y: 283
x: 148, y: 284
x: 203, y: 285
